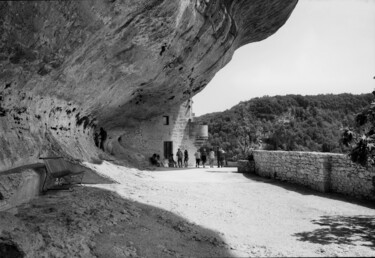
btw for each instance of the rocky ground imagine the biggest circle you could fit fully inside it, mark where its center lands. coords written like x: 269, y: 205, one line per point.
x: 187, y: 212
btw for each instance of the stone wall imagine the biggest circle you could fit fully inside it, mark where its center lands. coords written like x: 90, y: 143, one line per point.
x: 324, y: 172
x: 351, y: 179
x: 148, y: 137
x: 244, y: 166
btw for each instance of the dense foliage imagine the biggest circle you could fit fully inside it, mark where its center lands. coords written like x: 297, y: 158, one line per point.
x: 361, y: 138
x: 291, y: 122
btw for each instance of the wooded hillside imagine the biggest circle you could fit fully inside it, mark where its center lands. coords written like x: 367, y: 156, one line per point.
x: 291, y: 122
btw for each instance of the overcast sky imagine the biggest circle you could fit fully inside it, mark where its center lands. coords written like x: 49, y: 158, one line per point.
x: 326, y: 46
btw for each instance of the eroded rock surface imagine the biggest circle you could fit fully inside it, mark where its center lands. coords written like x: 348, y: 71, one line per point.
x: 68, y: 68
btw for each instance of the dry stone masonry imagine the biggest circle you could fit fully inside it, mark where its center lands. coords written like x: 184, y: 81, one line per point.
x: 324, y: 172
x: 146, y: 138
x: 351, y: 179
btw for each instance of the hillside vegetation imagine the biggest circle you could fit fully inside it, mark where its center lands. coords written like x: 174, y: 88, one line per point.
x: 291, y: 123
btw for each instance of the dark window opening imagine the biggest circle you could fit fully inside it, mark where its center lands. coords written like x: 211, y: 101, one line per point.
x: 168, y: 149
x: 165, y: 120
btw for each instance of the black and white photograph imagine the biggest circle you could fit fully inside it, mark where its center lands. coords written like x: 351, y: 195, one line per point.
x: 187, y: 128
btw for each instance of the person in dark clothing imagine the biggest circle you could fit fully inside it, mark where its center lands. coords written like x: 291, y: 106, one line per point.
x: 155, y: 160
x: 218, y: 155
x: 204, y: 157
x: 102, y: 138
x: 186, y: 158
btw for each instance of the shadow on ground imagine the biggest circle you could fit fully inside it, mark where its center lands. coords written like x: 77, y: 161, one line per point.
x: 170, y: 169
x: 93, y: 222
x: 206, y: 169
x: 307, y: 191
x: 92, y: 177
x: 342, y: 230
x: 223, y: 171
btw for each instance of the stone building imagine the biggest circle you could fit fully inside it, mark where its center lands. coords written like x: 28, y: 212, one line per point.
x: 163, y: 135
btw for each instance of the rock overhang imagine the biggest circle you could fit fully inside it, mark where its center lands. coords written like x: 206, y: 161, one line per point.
x: 72, y: 66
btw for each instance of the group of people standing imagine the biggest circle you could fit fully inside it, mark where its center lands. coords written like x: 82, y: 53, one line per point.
x: 180, y: 156
x: 201, y: 156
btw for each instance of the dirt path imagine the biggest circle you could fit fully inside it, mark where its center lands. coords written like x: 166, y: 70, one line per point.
x: 255, y: 216
x: 186, y: 213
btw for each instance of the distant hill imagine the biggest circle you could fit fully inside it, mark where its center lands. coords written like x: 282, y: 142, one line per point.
x: 291, y: 122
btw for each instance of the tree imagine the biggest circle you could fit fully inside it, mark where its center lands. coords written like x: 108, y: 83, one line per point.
x: 361, y: 140
x: 292, y: 122
x: 246, y: 133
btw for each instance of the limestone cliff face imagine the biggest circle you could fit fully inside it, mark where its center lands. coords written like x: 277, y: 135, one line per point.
x: 68, y: 68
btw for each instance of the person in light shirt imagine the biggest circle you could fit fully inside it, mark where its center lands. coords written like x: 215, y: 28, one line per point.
x: 197, y: 155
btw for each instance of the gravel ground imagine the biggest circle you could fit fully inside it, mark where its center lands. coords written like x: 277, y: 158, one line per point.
x: 256, y: 216
x: 211, y: 212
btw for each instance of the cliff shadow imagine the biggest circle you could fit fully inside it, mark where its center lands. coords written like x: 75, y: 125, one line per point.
x: 225, y: 170
x: 169, y: 169
x: 92, y: 177
x: 342, y: 230
x: 207, y: 169
x: 304, y: 190
x: 91, y: 221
